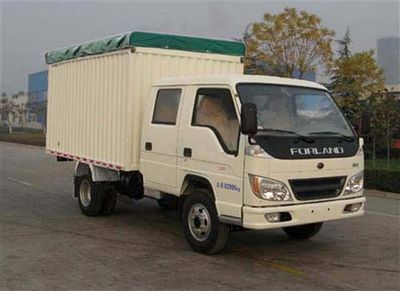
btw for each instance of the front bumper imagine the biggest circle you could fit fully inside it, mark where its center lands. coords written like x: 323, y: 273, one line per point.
x: 254, y: 217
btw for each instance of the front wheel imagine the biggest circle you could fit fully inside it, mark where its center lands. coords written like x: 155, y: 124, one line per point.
x: 201, y: 227
x: 303, y: 231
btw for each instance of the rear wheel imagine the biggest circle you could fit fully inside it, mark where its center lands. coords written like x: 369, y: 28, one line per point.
x: 90, y: 195
x: 201, y: 227
x: 303, y: 231
x: 109, y: 200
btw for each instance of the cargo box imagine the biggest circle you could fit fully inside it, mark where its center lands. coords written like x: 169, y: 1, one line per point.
x: 98, y: 90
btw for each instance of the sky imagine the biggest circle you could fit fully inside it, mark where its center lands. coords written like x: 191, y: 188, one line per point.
x: 29, y: 29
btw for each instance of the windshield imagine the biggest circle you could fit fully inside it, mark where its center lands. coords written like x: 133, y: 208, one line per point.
x: 304, y: 111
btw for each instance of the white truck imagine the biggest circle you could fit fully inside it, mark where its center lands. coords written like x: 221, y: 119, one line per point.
x: 173, y: 118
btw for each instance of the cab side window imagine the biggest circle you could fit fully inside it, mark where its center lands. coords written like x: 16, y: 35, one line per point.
x: 214, y: 109
x: 166, y: 106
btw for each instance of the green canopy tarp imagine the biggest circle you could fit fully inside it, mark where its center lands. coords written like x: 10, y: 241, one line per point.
x: 146, y: 39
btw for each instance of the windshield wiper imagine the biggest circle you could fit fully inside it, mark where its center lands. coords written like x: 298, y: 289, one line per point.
x: 302, y: 137
x: 344, y: 137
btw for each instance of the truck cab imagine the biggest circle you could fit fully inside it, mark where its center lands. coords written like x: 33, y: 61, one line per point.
x: 254, y: 152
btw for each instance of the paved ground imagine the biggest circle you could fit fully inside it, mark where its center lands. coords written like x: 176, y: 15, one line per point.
x: 46, y: 244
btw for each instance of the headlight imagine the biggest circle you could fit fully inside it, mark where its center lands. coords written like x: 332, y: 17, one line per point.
x: 355, y: 184
x: 269, y: 189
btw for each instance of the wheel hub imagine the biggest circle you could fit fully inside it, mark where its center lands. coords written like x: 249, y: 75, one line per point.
x: 199, y: 221
x: 84, y: 193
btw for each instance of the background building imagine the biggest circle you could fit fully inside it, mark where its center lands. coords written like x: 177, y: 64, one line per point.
x: 388, y: 52
x: 13, y: 110
x: 37, y: 97
x: 393, y: 90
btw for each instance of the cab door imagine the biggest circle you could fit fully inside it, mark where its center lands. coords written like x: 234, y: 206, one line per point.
x: 210, y: 145
x: 158, y: 159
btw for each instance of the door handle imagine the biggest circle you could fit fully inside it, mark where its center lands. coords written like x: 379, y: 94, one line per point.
x: 187, y: 152
x: 148, y: 146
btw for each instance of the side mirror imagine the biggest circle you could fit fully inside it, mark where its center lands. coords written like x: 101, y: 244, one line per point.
x: 248, y: 116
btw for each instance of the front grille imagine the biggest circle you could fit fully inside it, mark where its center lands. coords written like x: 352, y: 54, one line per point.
x: 319, y: 188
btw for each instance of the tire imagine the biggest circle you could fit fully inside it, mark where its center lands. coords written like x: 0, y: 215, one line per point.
x: 303, y: 231
x: 168, y: 202
x: 90, y: 195
x: 109, y: 201
x: 201, y: 227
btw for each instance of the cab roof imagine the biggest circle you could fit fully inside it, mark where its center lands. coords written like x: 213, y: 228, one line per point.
x: 232, y: 80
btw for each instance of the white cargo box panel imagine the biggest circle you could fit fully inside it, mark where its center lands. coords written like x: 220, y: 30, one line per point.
x: 95, y: 103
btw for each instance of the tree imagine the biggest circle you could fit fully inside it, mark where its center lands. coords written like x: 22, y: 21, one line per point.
x: 7, y: 112
x: 355, y: 78
x: 344, y: 45
x: 371, y: 114
x: 386, y: 117
x: 287, y: 42
x: 358, y: 86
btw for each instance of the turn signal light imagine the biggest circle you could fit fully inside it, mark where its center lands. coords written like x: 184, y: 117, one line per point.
x: 278, y: 217
x: 273, y: 217
x: 350, y: 208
